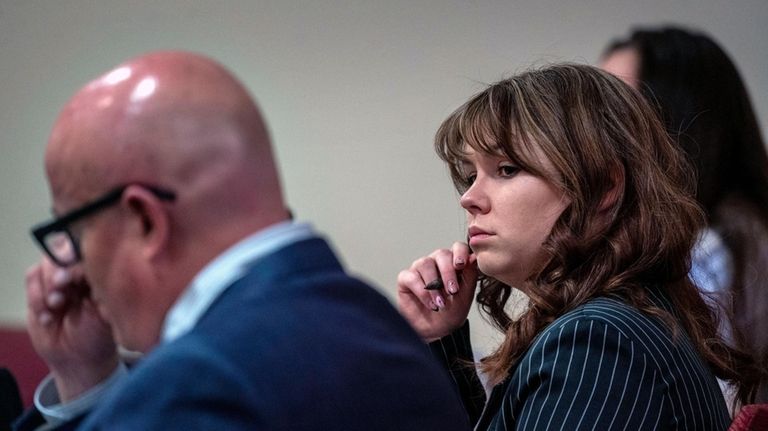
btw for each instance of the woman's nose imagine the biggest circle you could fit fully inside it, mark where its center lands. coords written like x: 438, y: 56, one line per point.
x: 474, y: 199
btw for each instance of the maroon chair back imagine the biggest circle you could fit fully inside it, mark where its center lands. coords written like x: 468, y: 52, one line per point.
x: 752, y: 417
x: 18, y: 356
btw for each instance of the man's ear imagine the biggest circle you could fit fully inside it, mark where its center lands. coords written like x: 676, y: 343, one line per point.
x: 151, y: 222
x: 611, y: 197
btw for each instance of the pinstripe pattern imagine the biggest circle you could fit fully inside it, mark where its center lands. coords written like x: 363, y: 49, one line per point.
x: 602, y: 366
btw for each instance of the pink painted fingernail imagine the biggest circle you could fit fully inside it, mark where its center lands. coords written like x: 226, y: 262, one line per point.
x: 439, y: 301
x: 452, y: 287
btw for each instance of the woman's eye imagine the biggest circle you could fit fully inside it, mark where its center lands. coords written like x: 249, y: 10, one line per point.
x: 508, y: 170
x: 470, y: 179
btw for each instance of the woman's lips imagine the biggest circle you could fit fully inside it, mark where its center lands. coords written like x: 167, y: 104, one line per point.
x: 477, y: 235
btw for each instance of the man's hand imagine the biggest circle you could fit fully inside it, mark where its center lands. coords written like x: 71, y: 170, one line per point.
x: 67, y: 330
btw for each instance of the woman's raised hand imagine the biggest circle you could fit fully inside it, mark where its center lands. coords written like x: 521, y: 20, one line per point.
x: 435, y: 293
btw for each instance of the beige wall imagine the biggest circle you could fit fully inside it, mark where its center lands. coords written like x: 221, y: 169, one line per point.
x: 353, y: 91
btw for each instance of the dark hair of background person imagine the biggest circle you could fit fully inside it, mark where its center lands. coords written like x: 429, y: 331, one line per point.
x: 10, y: 400
x: 706, y: 108
x: 632, y: 220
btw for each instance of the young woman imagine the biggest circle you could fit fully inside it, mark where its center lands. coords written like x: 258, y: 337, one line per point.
x: 705, y: 106
x: 576, y: 196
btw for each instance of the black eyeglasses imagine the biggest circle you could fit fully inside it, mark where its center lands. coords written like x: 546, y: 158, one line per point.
x: 57, y: 240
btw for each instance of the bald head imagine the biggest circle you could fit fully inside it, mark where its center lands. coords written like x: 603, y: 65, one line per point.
x: 171, y: 120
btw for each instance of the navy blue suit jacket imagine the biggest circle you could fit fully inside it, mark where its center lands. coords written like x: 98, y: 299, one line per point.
x: 296, y: 344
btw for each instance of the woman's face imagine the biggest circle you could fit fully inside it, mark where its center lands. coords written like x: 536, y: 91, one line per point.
x: 510, y: 214
x: 623, y: 63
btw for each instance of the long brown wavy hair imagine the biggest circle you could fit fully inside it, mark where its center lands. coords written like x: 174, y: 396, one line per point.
x: 604, y: 141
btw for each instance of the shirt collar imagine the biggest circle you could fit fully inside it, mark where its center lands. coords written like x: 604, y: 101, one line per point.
x: 224, y: 270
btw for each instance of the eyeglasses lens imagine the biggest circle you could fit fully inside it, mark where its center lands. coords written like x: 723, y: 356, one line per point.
x: 61, y: 246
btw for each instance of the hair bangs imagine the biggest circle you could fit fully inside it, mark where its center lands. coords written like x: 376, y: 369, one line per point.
x: 486, y: 124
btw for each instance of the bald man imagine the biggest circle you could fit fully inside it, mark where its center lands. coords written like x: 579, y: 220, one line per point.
x: 172, y: 238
